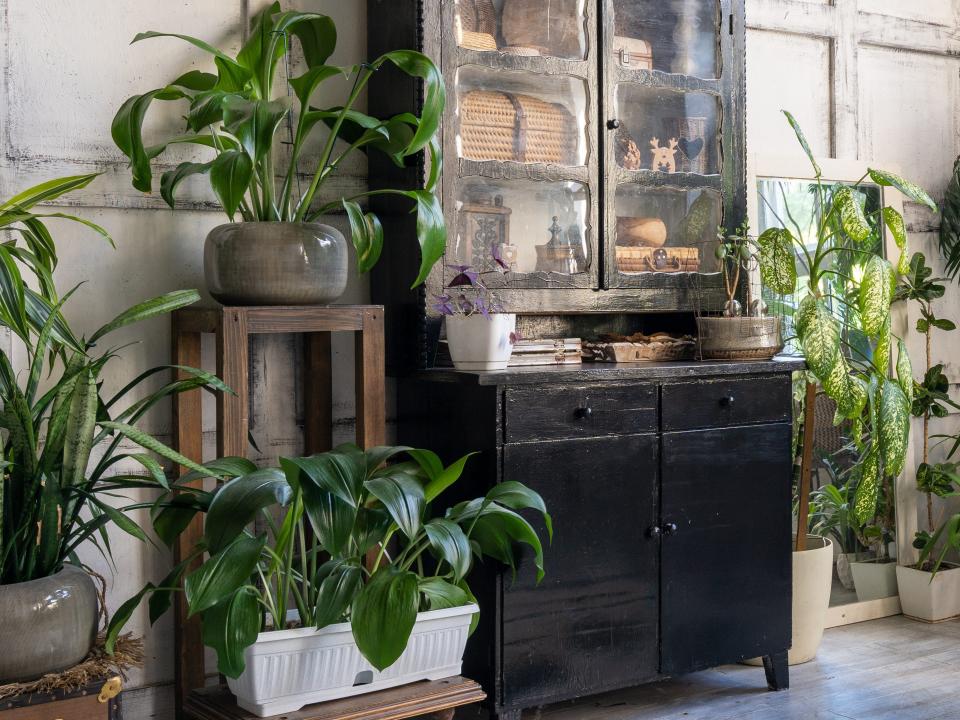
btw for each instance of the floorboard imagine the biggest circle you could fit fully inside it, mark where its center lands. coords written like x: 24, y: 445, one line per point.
x: 890, y: 669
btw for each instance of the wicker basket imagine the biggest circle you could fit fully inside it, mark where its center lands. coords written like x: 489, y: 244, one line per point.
x: 648, y: 259
x: 478, y: 16
x: 504, y: 126
x: 477, y: 41
x: 739, y: 338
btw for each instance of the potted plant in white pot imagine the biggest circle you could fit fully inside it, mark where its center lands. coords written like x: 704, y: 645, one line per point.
x: 61, y: 449
x: 480, y: 335
x: 930, y: 590
x: 279, y: 253
x: 841, y: 266
x: 349, y: 624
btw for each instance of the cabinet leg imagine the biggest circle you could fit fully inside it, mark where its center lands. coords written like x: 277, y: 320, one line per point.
x: 512, y: 714
x: 778, y: 671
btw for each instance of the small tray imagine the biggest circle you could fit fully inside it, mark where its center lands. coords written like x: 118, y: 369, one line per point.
x: 651, y: 349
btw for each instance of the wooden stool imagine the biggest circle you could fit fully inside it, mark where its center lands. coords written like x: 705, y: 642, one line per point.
x: 232, y: 327
x: 437, y: 698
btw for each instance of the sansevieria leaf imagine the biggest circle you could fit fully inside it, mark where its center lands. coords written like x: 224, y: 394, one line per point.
x: 876, y: 294
x: 851, y: 215
x: 819, y: 334
x: 778, y: 267
x: 868, y: 490
x: 904, y: 371
x: 894, y: 421
x: 911, y: 190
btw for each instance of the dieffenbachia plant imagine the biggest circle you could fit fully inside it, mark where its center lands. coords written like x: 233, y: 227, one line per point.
x: 358, y: 508
x: 876, y: 401
x: 238, y: 116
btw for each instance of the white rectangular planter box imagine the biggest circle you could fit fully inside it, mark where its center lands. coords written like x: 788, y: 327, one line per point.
x: 930, y: 601
x: 288, y: 669
x: 874, y: 580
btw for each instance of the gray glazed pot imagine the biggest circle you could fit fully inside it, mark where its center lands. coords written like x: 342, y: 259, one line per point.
x: 274, y: 263
x: 46, y: 625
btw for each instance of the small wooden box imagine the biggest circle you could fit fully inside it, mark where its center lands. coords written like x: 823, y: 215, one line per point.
x: 83, y: 704
x: 664, y: 260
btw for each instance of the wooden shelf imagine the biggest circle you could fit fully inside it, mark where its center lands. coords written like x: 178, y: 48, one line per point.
x: 512, y: 170
x: 536, y: 64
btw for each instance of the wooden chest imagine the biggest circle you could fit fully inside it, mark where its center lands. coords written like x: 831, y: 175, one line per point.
x: 84, y: 704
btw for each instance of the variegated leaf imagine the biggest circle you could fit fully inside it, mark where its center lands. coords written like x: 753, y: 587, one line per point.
x: 876, y: 294
x: 868, y: 490
x: 819, y: 334
x: 778, y: 266
x: 911, y: 190
x: 881, y: 356
x: 851, y: 215
x: 905, y: 371
x: 894, y: 422
x: 856, y: 432
x: 846, y: 390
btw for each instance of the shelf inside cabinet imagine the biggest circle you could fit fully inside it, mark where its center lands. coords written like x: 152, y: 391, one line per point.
x: 509, y: 170
x: 536, y: 65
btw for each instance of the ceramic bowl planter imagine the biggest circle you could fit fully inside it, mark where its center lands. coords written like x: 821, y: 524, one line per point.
x: 46, y: 625
x: 739, y: 338
x: 874, y: 579
x: 275, y: 263
x: 479, y: 343
x: 288, y: 669
x: 930, y: 600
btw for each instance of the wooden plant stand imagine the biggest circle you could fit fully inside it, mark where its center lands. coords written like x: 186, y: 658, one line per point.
x: 436, y: 699
x: 232, y: 328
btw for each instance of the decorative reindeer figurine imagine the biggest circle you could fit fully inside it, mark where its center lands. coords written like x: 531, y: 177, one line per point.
x: 664, y: 158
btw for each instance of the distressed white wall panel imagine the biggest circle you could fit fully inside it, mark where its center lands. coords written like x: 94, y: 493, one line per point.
x: 787, y: 72
x: 934, y: 12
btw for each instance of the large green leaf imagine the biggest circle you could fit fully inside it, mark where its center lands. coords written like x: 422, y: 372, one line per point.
x: 81, y: 423
x: 802, y: 139
x: 497, y: 529
x: 305, y: 85
x: 894, y: 421
x: 230, y: 627
x: 384, y: 614
x: 451, y: 545
x: 339, y: 473
x: 224, y: 573
x: 518, y: 496
x: 255, y: 122
x: 122, y: 616
x: 206, y: 47
x: 160, y: 305
x: 778, y: 266
x: 846, y: 390
x: 852, y: 217
x: 127, y: 133
x: 898, y: 230
x: 172, y: 178
x: 431, y: 231
x: 441, y: 594
x: 237, y: 503
x: 819, y: 334
x: 331, y: 517
x: 868, y: 489
x: 912, y: 191
x: 439, y: 477
x: 881, y: 355
x: 318, y: 39
x: 876, y: 294
x: 403, y: 498
x: 341, y: 583
x: 229, y: 467
x: 230, y: 177
x: 367, y: 234
x: 904, y: 371
x: 434, y: 93
x: 170, y: 516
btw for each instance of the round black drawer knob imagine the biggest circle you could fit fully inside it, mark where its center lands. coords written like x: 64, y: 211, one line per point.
x: 727, y: 401
x: 654, y: 531
x: 584, y: 413
x: 670, y: 528
x: 613, y: 124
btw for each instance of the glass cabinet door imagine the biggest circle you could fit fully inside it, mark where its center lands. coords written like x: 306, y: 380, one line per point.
x: 521, y: 143
x: 670, y: 166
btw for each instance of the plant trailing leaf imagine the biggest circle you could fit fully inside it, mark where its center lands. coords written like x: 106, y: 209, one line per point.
x: 894, y: 427
x: 778, y: 267
x: 898, y: 230
x: 911, y: 190
x: 868, y: 491
x: 819, y: 336
x: 876, y: 294
x: 218, y: 578
x: 238, y: 502
x: 852, y: 217
x: 904, y: 371
x: 802, y: 139
x: 441, y: 594
x: 230, y: 626
x: 451, y: 545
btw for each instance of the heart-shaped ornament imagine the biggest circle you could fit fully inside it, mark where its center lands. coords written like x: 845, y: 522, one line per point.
x: 691, y: 148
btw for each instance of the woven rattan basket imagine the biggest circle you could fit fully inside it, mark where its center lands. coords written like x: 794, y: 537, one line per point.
x: 739, y: 338
x: 505, y: 126
x: 648, y: 259
x: 478, y: 16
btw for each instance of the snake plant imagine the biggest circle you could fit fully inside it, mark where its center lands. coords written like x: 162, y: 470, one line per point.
x: 240, y: 116
x: 380, y: 550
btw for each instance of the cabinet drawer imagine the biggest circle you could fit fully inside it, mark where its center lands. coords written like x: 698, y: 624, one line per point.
x: 558, y: 412
x: 719, y: 402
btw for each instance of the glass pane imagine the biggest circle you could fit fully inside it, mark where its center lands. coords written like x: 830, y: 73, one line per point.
x: 515, y: 116
x: 531, y: 226
x: 523, y: 27
x: 667, y: 130
x: 675, y: 36
x: 667, y: 230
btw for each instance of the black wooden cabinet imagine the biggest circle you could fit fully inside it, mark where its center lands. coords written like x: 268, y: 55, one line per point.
x: 669, y: 487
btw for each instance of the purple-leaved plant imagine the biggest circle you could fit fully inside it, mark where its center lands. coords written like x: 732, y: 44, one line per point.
x: 470, y: 294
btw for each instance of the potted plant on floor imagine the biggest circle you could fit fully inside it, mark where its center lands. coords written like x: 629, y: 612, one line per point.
x: 480, y: 334
x: 858, y: 379
x: 280, y: 253
x: 391, y: 605
x: 930, y: 590
x: 61, y: 449
x: 831, y: 515
x: 744, y: 331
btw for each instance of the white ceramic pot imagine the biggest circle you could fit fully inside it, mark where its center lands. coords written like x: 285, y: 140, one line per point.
x: 933, y: 601
x: 479, y: 343
x: 288, y: 669
x: 843, y: 567
x: 874, y: 579
x: 812, y: 578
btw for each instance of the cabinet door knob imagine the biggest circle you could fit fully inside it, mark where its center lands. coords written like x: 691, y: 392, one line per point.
x: 670, y: 528
x: 654, y: 531
x: 613, y: 124
x: 584, y: 413
x: 726, y: 401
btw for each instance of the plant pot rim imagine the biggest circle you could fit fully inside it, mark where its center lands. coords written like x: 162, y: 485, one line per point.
x: 271, y: 222
x: 875, y: 561
x: 64, y: 568
x: 827, y: 545
x: 944, y: 567
x: 268, y: 636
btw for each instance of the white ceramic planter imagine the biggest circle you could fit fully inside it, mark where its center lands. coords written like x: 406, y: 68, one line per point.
x: 844, y: 560
x: 874, y: 579
x: 479, y: 343
x: 812, y: 578
x: 288, y: 669
x: 933, y: 601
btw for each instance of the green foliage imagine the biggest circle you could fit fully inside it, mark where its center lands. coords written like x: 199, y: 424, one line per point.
x: 778, y: 267
x: 241, y: 117
x: 950, y: 224
x: 354, y: 503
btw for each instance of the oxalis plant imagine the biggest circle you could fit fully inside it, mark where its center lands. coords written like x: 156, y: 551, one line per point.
x: 380, y: 550
x: 856, y: 377
x: 240, y: 114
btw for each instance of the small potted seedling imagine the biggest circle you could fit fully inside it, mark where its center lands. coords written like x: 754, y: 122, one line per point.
x: 744, y: 331
x: 480, y: 334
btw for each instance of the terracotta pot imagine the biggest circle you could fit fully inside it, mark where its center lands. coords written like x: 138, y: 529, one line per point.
x: 46, y: 625
x: 273, y: 263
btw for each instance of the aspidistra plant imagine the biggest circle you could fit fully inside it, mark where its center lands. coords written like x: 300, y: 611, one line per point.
x: 241, y: 115
x: 861, y: 384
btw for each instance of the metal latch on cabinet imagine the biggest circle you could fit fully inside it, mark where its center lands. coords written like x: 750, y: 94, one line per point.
x: 111, y: 688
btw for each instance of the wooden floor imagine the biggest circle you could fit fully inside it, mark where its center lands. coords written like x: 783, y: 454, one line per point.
x: 892, y: 669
